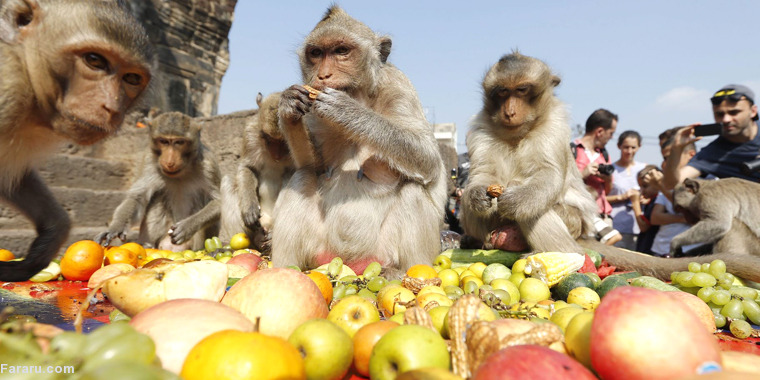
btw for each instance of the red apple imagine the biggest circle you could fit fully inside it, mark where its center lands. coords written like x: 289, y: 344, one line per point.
x: 641, y: 333
x: 280, y: 298
x: 248, y: 261
x: 364, y: 341
x: 699, y: 307
x: 531, y: 362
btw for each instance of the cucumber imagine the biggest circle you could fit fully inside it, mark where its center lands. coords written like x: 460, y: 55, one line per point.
x: 482, y: 255
x: 626, y: 275
x: 609, y: 283
x: 653, y: 283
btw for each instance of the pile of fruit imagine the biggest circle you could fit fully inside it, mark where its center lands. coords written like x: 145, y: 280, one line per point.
x: 225, y: 313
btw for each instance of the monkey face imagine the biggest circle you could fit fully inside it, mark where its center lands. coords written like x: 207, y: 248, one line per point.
x: 511, y: 107
x: 174, y: 153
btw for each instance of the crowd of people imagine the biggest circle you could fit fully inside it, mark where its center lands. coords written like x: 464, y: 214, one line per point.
x: 634, y: 198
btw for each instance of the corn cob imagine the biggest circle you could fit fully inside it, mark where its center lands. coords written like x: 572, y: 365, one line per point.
x: 550, y: 267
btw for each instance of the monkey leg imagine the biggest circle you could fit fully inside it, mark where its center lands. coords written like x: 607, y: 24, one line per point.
x: 548, y: 232
x: 33, y: 198
x: 740, y: 264
x: 705, y: 231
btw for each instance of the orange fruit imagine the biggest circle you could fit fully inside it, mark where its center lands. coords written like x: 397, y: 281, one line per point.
x: 137, y: 249
x: 323, y: 283
x: 120, y: 255
x: 364, y: 341
x: 238, y: 355
x: 422, y: 271
x: 81, y: 260
x: 6, y: 255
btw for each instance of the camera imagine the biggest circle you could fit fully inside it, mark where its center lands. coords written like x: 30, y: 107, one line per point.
x: 606, y: 169
x: 708, y: 129
x: 750, y: 167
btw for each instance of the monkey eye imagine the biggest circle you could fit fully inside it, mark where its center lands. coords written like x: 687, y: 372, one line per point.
x: 315, y: 53
x: 133, y: 79
x: 523, y: 90
x: 96, y: 61
x: 342, y: 50
x: 162, y: 141
x: 502, y: 92
x: 179, y: 142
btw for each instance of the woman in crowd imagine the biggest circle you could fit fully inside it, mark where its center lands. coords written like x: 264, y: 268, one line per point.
x: 625, y: 187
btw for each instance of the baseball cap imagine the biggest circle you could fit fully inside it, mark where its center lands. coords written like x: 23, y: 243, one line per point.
x: 733, y: 92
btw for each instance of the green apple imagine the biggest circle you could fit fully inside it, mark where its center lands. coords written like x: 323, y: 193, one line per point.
x: 494, y: 271
x: 442, y: 261
x: 438, y: 315
x: 239, y: 241
x: 353, y: 312
x: 398, y: 318
x: 327, y: 350
x: 405, y: 348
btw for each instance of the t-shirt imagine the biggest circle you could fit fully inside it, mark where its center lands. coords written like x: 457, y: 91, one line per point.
x: 667, y: 232
x: 722, y: 158
x: 623, y: 218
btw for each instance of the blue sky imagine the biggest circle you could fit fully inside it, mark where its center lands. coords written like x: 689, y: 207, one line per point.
x: 654, y: 63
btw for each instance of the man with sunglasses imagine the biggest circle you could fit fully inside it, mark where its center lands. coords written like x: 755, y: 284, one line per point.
x: 739, y: 142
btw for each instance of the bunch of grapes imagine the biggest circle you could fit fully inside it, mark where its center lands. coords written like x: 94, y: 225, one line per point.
x: 731, y: 304
x: 366, y: 285
x: 115, y: 350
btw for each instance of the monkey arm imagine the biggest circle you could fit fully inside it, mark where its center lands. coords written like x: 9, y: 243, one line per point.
x: 33, y: 199
x: 294, y: 104
x: 248, y: 184
x: 540, y: 191
x: 709, y: 229
x: 137, y: 199
x: 396, y: 128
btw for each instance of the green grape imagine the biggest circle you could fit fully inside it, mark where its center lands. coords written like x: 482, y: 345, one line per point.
x: 720, y: 297
x: 372, y: 270
x: 743, y: 292
x: 366, y: 293
x: 694, y: 267
x: 703, y: 280
x: 740, y: 329
x: 134, y: 346
x: 733, y: 309
x: 717, y: 267
x: 68, y: 345
x: 705, y: 294
x: 470, y: 287
x: 684, y: 279
x: 725, y: 283
x: 730, y: 277
x: 503, y: 295
x: 351, y: 290
x: 673, y: 276
x: 486, y: 287
x: 339, y: 291
x: 720, y: 320
x: 293, y: 267
x: 321, y: 270
x: 335, y: 267
x: 453, y: 289
x: 752, y: 311
x: 705, y: 268
x: 377, y: 283
x: 350, y: 279
x: 116, y: 315
x: 104, y: 334
x: 394, y: 282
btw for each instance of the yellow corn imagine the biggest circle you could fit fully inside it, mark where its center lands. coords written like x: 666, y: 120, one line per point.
x: 550, y: 267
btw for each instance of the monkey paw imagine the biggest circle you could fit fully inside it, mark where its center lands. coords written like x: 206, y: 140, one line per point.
x: 251, y: 216
x: 478, y: 199
x: 294, y: 103
x: 332, y: 104
x: 105, y: 238
x: 180, y: 232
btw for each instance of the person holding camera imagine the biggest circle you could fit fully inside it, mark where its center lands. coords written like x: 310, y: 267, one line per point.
x: 738, y: 144
x: 593, y: 161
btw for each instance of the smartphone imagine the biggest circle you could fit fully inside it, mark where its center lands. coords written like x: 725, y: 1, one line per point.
x: 708, y: 129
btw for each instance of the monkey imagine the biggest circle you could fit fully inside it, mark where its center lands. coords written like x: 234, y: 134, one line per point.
x: 248, y: 198
x: 725, y: 213
x: 369, y: 183
x: 69, y: 70
x: 519, y: 141
x: 177, y: 191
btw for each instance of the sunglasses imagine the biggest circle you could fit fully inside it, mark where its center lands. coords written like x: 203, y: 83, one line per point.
x: 731, y: 95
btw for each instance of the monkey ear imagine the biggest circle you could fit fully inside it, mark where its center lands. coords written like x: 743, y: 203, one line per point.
x: 259, y: 98
x: 152, y: 114
x: 15, y: 15
x: 385, y: 48
x: 555, y: 80
x: 691, y: 185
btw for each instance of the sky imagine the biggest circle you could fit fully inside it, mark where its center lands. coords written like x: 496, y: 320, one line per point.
x: 653, y: 63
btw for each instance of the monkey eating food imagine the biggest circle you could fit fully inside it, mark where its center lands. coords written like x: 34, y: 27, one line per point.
x: 69, y: 70
x: 369, y: 183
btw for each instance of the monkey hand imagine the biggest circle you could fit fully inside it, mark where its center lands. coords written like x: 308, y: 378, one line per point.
x: 675, y: 248
x: 478, y: 198
x: 294, y: 103
x: 507, y: 204
x: 104, y: 238
x: 251, y: 214
x: 334, y: 105
x: 182, y: 231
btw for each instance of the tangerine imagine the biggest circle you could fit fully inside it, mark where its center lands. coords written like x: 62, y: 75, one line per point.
x: 323, y: 283
x: 81, y: 260
x: 120, y: 255
x: 238, y: 355
x: 137, y: 249
x: 6, y: 255
x: 422, y: 271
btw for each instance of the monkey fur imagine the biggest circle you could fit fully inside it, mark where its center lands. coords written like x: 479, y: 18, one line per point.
x: 519, y: 140
x: 369, y: 183
x: 69, y: 70
x: 265, y: 166
x: 177, y: 192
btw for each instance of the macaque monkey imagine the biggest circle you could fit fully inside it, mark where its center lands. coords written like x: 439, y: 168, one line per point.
x: 177, y: 192
x: 69, y: 70
x: 725, y: 213
x: 265, y: 167
x: 523, y: 179
x: 369, y: 183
